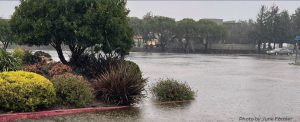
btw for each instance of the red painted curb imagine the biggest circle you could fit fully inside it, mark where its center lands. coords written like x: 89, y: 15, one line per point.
x: 36, y: 115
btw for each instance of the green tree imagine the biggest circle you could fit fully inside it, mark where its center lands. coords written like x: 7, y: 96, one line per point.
x: 80, y: 24
x: 110, y: 18
x: 147, y: 28
x: 138, y: 26
x: 186, y: 31
x: 272, y: 20
x: 273, y: 26
x: 260, y: 31
x: 253, y: 36
x: 6, y: 35
x: 40, y: 22
x: 162, y: 28
x: 210, y: 32
x: 296, y: 24
x: 284, y: 29
x: 245, y: 29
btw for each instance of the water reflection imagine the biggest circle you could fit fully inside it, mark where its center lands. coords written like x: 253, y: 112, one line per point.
x: 131, y: 112
x: 172, y: 105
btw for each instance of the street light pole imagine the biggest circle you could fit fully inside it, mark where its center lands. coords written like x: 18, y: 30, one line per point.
x: 297, y: 40
x: 296, y: 47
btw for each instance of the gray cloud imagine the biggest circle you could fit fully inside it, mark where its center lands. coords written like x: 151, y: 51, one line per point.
x: 227, y: 10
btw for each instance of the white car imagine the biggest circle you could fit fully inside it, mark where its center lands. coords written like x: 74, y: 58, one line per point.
x: 281, y: 51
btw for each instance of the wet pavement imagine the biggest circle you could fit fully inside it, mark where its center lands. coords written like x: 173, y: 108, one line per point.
x: 229, y: 88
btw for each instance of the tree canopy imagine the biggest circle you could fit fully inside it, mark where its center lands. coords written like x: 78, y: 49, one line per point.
x: 162, y: 28
x: 6, y: 35
x: 181, y: 33
x: 210, y: 31
x: 186, y: 31
x: 273, y: 26
x: 79, y: 24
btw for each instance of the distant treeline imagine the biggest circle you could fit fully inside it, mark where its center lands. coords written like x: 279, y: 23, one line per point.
x: 167, y: 31
x: 274, y: 26
x: 271, y: 27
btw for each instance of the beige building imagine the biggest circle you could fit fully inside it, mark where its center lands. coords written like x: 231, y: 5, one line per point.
x: 218, y: 21
x: 138, y: 41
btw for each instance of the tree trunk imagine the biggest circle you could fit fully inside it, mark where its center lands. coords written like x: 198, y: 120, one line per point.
x: 163, y: 47
x: 204, y: 41
x: 163, y: 43
x: 280, y: 45
x: 205, y: 47
x: 60, y: 54
x: 187, y: 49
x: 264, y: 46
x: 5, y: 45
x: 269, y: 46
x: 258, y: 47
x: 274, y: 44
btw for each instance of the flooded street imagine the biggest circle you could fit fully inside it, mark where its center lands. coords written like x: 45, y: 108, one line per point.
x: 228, y: 87
x: 240, y: 64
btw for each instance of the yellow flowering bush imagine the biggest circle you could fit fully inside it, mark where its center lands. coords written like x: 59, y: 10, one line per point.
x: 25, y: 91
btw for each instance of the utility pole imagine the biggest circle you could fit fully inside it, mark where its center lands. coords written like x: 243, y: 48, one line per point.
x: 297, y: 39
x: 296, y: 45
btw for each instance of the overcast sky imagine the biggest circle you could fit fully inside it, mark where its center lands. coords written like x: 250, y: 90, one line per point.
x: 227, y: 10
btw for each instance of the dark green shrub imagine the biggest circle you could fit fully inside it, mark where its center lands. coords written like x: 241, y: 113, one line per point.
x: 25, y: 91
x: 25, y: 56
x: 172, y: 90
x: 91, y: 66
x: 42, y: 54
x: 87, y: 65
x: 44, y: 57
x: 120, y: 85
x: 135, y: 66
x: 29, y: 58
x: 72, y: 90
x: 8, y: 62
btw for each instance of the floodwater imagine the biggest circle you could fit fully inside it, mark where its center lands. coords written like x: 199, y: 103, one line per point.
x: 229, y: 88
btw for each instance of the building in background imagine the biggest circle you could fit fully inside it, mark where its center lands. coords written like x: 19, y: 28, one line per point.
x: 218, y: 21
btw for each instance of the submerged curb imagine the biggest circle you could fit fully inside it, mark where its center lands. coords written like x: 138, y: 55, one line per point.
x: 168, y: 102
x: 36, y: 115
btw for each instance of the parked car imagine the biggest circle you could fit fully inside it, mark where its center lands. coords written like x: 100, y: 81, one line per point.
x: 279, y: 51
